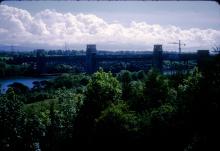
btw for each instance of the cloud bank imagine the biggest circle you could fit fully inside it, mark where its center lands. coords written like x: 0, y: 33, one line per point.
x: 54, y: 29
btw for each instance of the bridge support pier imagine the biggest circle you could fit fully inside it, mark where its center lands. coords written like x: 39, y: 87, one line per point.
x: 202, y: 57
x: 41, y: 64
x: 158, y: 57
x: 91, y: 58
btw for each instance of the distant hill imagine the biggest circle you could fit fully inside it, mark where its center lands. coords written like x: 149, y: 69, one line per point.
x: 15, y: 48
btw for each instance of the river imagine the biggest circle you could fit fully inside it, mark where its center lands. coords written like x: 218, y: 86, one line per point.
x: 28, y: 81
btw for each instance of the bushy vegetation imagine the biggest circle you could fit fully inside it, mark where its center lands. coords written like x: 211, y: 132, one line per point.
x: 11, y: 70
x: 130, y: 109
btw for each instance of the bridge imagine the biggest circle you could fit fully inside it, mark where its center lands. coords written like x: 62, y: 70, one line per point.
x: 92, y: 60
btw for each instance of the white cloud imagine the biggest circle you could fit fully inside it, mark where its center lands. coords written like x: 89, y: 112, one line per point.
x: 52, y: 28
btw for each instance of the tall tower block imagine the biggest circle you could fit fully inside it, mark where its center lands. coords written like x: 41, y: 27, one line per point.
x: 158, y: 57
x: 41, y: 63
x: 202, y: 58
x: 91, y: 58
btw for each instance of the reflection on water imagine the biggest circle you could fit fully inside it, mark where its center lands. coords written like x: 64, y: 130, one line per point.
x: 28, y: 81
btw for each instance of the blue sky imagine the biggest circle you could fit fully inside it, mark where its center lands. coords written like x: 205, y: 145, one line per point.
x: 153, y: 18
x: 203, y: 14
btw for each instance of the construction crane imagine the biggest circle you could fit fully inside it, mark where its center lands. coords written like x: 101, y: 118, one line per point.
x: 180, y: 44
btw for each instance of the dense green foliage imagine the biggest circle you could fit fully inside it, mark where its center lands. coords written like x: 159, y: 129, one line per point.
x: 11, y: 70
x: 130, y: 109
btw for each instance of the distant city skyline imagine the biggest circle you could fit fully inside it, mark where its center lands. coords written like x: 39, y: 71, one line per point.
x: 110, y: 25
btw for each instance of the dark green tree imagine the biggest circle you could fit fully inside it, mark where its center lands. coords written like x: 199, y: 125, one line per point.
x: 103, y: 90
x: 156, y: 90
x: 117, y: 125
x: 19, y: 88
x: 125, y: 78
x: 11, y: 121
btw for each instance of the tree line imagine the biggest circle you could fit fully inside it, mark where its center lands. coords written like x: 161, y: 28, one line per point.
x: 143, y: 109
